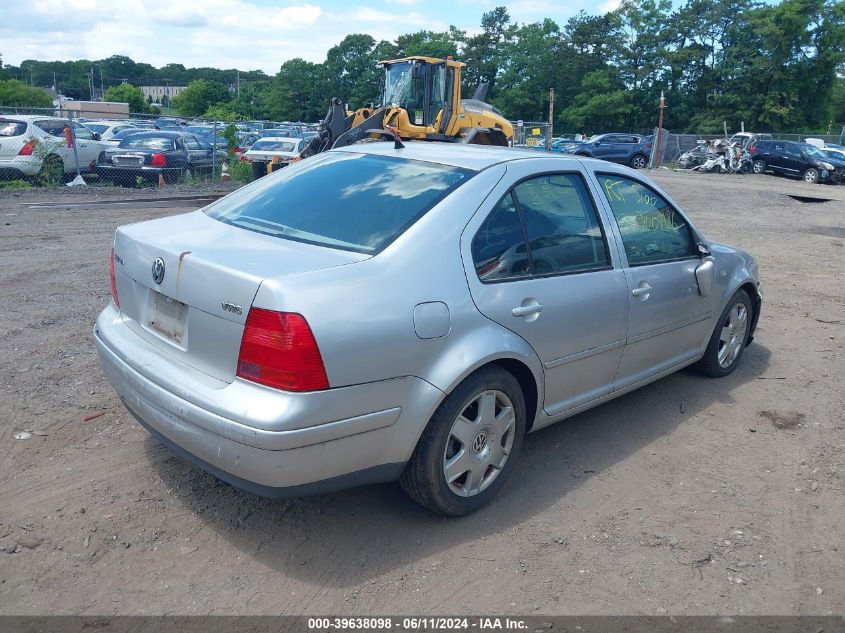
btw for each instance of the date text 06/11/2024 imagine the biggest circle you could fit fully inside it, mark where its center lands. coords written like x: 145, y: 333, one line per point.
x: 415, y: 624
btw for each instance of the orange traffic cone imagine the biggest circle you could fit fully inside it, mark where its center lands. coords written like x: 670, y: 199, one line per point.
x: 161, y: 180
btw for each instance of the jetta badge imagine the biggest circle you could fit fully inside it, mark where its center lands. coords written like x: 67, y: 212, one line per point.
x: 158, y: 270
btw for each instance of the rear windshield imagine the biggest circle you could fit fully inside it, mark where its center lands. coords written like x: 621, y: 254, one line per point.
x: 99, y: 128
x: 147, y: 142
x: 273, y: 146
x: 356, y: 202
x: 12, y: 128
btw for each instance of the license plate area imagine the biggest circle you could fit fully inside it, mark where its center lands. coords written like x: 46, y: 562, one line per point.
x: 128, y: 161
x: 167, y: 317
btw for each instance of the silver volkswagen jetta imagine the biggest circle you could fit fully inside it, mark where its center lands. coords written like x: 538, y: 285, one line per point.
x: 373, y: 314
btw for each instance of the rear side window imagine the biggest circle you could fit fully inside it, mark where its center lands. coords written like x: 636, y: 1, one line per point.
x: 652, y: 231
x: 53, y: 127
x: 556, y: 215
x: 9, y: 128
x: 356, y: 202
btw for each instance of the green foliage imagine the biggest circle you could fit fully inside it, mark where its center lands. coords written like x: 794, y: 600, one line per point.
x: 199, y: 96
x: 17, y: 93
x: 15, y: 184
x: 126, y: 93
x: 223, y: 112
x: 240, y: 171
x: 775, y: 67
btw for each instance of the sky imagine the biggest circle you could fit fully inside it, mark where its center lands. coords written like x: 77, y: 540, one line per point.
x: 243, y: 34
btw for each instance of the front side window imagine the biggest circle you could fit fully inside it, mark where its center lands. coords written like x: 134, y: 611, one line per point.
x: 345, y: 200
x: 563, y: 231
x: 652, y: 231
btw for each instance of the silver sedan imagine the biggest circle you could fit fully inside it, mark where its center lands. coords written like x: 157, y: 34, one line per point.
x: 373, y: 314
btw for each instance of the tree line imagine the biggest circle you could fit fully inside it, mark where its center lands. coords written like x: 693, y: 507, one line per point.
x: 774, y: 67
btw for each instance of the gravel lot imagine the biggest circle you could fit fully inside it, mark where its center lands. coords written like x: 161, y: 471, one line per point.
x: 605, y: 514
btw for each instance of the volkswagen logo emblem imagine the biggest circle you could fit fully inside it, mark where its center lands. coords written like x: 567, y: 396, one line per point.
x: 158, y: 270
x: 479, y: 442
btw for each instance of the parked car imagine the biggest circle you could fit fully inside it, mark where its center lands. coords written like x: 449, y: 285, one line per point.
x: 165, y: 123
x: 800, y: 160
x: 267, y: 148
x: 746, y: 139
x: 117, y: 137
x: 173, y: 155
x: 107, y: 129
x: 33, y: 146
x: 337, y: 323
x: 836, y: 152
x: 626, y: 149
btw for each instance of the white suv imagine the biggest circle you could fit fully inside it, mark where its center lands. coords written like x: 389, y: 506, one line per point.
x: 35, y: 146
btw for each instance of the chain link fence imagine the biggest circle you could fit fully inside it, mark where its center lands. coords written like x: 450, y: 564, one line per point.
x: 81, y: 145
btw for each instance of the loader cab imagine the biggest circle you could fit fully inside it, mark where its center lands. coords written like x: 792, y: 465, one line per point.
x: 424, y: 87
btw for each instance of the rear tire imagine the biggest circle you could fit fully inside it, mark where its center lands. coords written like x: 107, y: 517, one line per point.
x: 475, y: 435
x: 52, y: 172
x: 758, y: 167
x: 638, y: 161
x: 727, y: 343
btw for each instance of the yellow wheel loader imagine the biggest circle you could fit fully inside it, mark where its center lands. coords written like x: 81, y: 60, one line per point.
x: 421, y: 100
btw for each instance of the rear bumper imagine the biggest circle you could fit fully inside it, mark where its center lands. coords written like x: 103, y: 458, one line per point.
x: 224, y: 431
x: 113, y: 171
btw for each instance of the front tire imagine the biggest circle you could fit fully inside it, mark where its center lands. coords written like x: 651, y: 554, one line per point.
x: 469, y: 446
x: 727, y: 343
x: 811, y: 175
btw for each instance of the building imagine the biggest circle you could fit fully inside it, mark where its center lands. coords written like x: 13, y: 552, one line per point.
x: 95, y: 109
x: 161, y: 94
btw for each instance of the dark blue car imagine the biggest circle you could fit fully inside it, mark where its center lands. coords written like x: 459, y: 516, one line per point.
x: 626, y: 149
x: 149, y: 154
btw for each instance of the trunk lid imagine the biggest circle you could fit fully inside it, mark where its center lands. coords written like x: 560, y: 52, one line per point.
x: 186, y: 283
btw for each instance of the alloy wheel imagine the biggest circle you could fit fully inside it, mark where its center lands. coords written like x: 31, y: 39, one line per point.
x: 479, y: 443
x: 732, y: 337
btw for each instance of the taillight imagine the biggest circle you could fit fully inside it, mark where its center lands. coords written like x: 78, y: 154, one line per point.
x: 278, y: 349
x: 28, y: 147
x: 158, y: 160
x: 112, y: 280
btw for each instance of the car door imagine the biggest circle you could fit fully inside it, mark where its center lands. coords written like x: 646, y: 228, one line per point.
x: 606, y: 147
x: 86, y: 147
x: 538, y: 263
x: 777, y: 159
x: 795, y: 163
x: 669, y: 320
x: 199, y: 158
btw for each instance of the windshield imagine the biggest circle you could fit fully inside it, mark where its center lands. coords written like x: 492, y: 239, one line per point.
x: 273, y: 146
x: 402, y: 88
x: 370, y: 200
x: 147, y: 142
x: 812, y: 150
x: 99, y: 128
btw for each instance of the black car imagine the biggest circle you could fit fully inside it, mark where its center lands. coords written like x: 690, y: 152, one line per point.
x: 796, y: 159
x: 149, y: 154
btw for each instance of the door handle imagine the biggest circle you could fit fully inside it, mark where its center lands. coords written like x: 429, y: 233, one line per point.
x: 642, y: 291
x: 522, y: 311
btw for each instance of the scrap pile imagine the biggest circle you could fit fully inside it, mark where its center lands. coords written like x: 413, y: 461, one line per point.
x: 718, y: 156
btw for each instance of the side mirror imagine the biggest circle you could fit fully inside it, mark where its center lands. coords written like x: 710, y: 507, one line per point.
x: 705, y: 275
x: 96, y: 136
x: 703, y: 250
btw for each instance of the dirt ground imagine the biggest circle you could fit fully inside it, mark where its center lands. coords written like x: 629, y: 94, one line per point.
x: 690, y: 496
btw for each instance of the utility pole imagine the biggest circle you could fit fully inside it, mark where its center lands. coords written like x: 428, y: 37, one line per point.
x: 239, y: 85
x: 102, y: 89
x: 550, y: 130
x: 661, y: 107
x: 55, y: 86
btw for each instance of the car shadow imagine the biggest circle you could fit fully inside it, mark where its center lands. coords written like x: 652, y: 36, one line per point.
x: 349, y: 537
